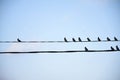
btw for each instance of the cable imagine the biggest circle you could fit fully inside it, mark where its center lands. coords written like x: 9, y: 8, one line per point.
x: 64, y: 41
x: 55, y: 41
x: 69, y: 51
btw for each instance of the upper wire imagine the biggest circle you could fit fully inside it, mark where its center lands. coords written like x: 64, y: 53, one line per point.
x: 55, y: 41
x: 64, y: 41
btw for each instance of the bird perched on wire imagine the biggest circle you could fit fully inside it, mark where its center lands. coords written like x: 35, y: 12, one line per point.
x: 19, y: 40
x: 117, y: 48
x: 115, y: 39
x: 73, y: 40
x: 112, y: 48
x: 86, y: 49
x: 88, y: 39
x: 65, y: 39
x: 79, y: 39
x: 99, y: 39
x: 108, y: 39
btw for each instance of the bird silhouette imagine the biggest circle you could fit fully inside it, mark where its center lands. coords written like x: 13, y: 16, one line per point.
x: 73, y: 40
x: 88, y: 39
x: 112, y: 48
x: 99, y: 39
x: 79, y: 39
x: 65, y: 39
x: 86, y: 49
x: 117, y: 48
x: 115, y: 39
x: 19, y: 40
x: 108, y: 39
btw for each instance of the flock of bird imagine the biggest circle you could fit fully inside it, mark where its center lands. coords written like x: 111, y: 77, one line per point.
x: 88, y: 39
x: 80, y: 40
x: 116, y: 48
x: 112, y: 49
x: 98, y: 39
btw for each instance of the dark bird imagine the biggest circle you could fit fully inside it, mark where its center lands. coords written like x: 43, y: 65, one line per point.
x: 79, y: 39
x: 88, y: 39
x: 86, y: 49
x: 73, y: 40
x: 117, y: 48
x: 112, y: 48
x: 108, y: 39
x: 115, y: 39
x: 65, y: 40
x: 19, y: 40
x: 99, y: 39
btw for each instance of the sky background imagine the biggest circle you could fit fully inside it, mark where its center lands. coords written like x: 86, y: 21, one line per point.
x: 53, y: 20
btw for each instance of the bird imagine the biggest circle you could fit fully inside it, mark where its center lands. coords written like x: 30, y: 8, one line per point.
x: 73, y: 40
x: 88, y: 39
x: 19, y: 40
x: 112, y: 48
x: 117, y: 48
x: 99, y: 39
x: 65, y: 39
x: 79, y: 39
x: 108, y: 39
x: 86, y: 49
x: 115, y: 39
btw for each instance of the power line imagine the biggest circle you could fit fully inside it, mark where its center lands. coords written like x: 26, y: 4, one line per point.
x: 55, y: 41
x: 69, y: 51
x: 64, y: 41
x: 112, y: 49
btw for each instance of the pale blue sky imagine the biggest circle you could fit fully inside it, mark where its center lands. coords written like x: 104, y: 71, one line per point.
x: 54, y: 20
